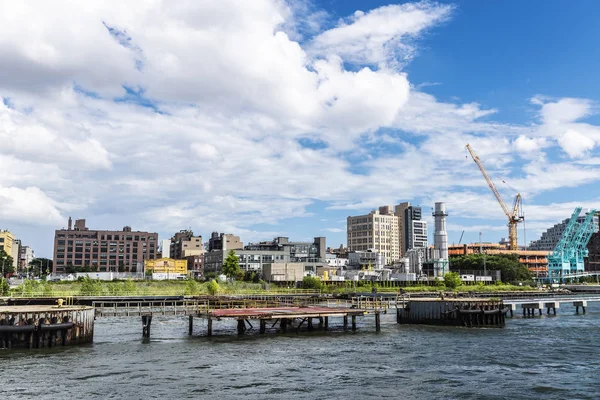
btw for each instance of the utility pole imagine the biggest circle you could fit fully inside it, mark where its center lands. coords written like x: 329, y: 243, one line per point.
x: 482, y: 253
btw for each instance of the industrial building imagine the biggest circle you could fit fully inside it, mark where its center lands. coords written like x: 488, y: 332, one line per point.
x: 102, y: 250
x: 166, y: 268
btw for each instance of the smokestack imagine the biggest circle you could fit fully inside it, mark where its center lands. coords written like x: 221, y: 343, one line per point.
x: 440, y: 245
x: 70, y: 223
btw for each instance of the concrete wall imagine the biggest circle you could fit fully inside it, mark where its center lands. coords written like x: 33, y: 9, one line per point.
x: 283, y: 272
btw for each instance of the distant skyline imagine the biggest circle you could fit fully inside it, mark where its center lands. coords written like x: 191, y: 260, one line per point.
x: 269, y: 118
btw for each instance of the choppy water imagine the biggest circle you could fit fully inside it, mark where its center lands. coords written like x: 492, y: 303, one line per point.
x: 546, y: 357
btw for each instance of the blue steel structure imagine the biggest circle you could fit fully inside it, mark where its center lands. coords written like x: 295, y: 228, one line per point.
x: 559, y: 261
x: 579, y: 243
x: 566, y: 261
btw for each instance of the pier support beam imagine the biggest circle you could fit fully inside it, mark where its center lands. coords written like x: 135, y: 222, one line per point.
x: 283, y: 324
x: 263, y: 326
x: 146, y: 323
x: 354, y: 322
x: 190, y: 325
x: 241, y: 326
x: 326, y: 323
x: 209, y: 328
x: 345, y: 321
x: 377, y: 322
x: 582, y: 304
x: 310, y: 324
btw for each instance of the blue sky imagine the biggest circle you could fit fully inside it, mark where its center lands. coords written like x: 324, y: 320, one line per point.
x: 276, y: 118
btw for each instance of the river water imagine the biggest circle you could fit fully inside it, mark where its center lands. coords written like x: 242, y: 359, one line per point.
x: 556, y: 357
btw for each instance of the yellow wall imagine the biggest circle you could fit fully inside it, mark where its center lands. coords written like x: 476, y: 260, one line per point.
x: 8, y: 242
x: 166, y: 265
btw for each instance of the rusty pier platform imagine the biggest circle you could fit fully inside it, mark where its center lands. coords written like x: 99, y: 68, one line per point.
x: 284, y: 317
x: 45, y: 326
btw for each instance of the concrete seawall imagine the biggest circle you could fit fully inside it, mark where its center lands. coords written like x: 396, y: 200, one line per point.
x: 45, y: 326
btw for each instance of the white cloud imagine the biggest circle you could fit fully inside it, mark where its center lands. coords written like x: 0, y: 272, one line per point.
x: 380, y: 36
x: 226, y: 91
x: 524, y: 144
x: 575, y: 144
x: 29, y: 205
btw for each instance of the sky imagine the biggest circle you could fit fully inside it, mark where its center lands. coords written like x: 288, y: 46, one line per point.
x: 270, y: 118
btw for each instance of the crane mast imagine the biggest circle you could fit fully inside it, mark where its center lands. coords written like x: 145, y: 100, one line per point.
x: 513, y: 215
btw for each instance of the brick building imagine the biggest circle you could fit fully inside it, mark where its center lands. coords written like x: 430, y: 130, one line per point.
x: 78, y: 247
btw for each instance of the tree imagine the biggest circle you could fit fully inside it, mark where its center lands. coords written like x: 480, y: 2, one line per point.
x: 231, y: 265
x: 6, y: 263
x: 41, y: 266
x: 4, y: 287
x: 452, y: 280
x: 509, y: 266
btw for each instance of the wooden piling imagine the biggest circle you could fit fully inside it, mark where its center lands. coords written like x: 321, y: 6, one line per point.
x: 354, y: 322
x: 263, y: 326
x: 190, y: 325
x: 377, y: 322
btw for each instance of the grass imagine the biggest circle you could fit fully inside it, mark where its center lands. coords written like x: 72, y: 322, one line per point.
x: 92, y: 287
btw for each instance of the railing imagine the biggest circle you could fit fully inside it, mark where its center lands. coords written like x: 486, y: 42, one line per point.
x: 150, y: 292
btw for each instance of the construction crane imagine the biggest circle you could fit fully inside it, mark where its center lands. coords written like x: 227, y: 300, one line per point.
x: 513, y: 215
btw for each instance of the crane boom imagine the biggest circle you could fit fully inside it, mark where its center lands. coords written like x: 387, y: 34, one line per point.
x: 489, y: 181
x: 513, y: 216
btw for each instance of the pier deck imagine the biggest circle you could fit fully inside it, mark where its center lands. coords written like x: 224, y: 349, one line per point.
x: 284, y: 316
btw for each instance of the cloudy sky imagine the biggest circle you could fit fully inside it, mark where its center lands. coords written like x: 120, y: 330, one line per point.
x: 267, y: 117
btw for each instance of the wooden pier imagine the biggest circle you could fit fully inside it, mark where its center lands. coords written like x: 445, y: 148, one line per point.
x: 284, y: 317
x: 45, y: 326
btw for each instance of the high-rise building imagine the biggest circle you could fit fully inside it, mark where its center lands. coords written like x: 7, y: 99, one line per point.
x: 550, y: 238
x: 184, y: 244
x: 378, y: 231
x: 400, y: 211
x: 415, y: 229
x: 102, y: 250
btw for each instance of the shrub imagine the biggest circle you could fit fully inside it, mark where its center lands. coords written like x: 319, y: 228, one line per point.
x: 452, y: 280
x: 4, y: 287
x: 311, y: 282
x: 192, y: 287
x: 213, y: 287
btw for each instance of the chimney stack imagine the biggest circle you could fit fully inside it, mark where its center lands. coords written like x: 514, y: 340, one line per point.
x: 70, y: 223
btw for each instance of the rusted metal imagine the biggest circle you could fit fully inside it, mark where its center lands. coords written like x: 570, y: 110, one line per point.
x: 45, y: 326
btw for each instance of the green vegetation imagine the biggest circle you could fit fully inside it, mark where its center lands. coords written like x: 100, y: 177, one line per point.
x: 311, y: 282
x: 40, y: 266
x: 231, y: 266
x: 213, y: 287
x: 508, y: 264
x: 4, y: 287
x: 6, y: 263
x: 86, y: 286
x: 452, y: 280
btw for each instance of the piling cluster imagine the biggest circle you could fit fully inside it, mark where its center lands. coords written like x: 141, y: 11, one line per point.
x: 45, y: 326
